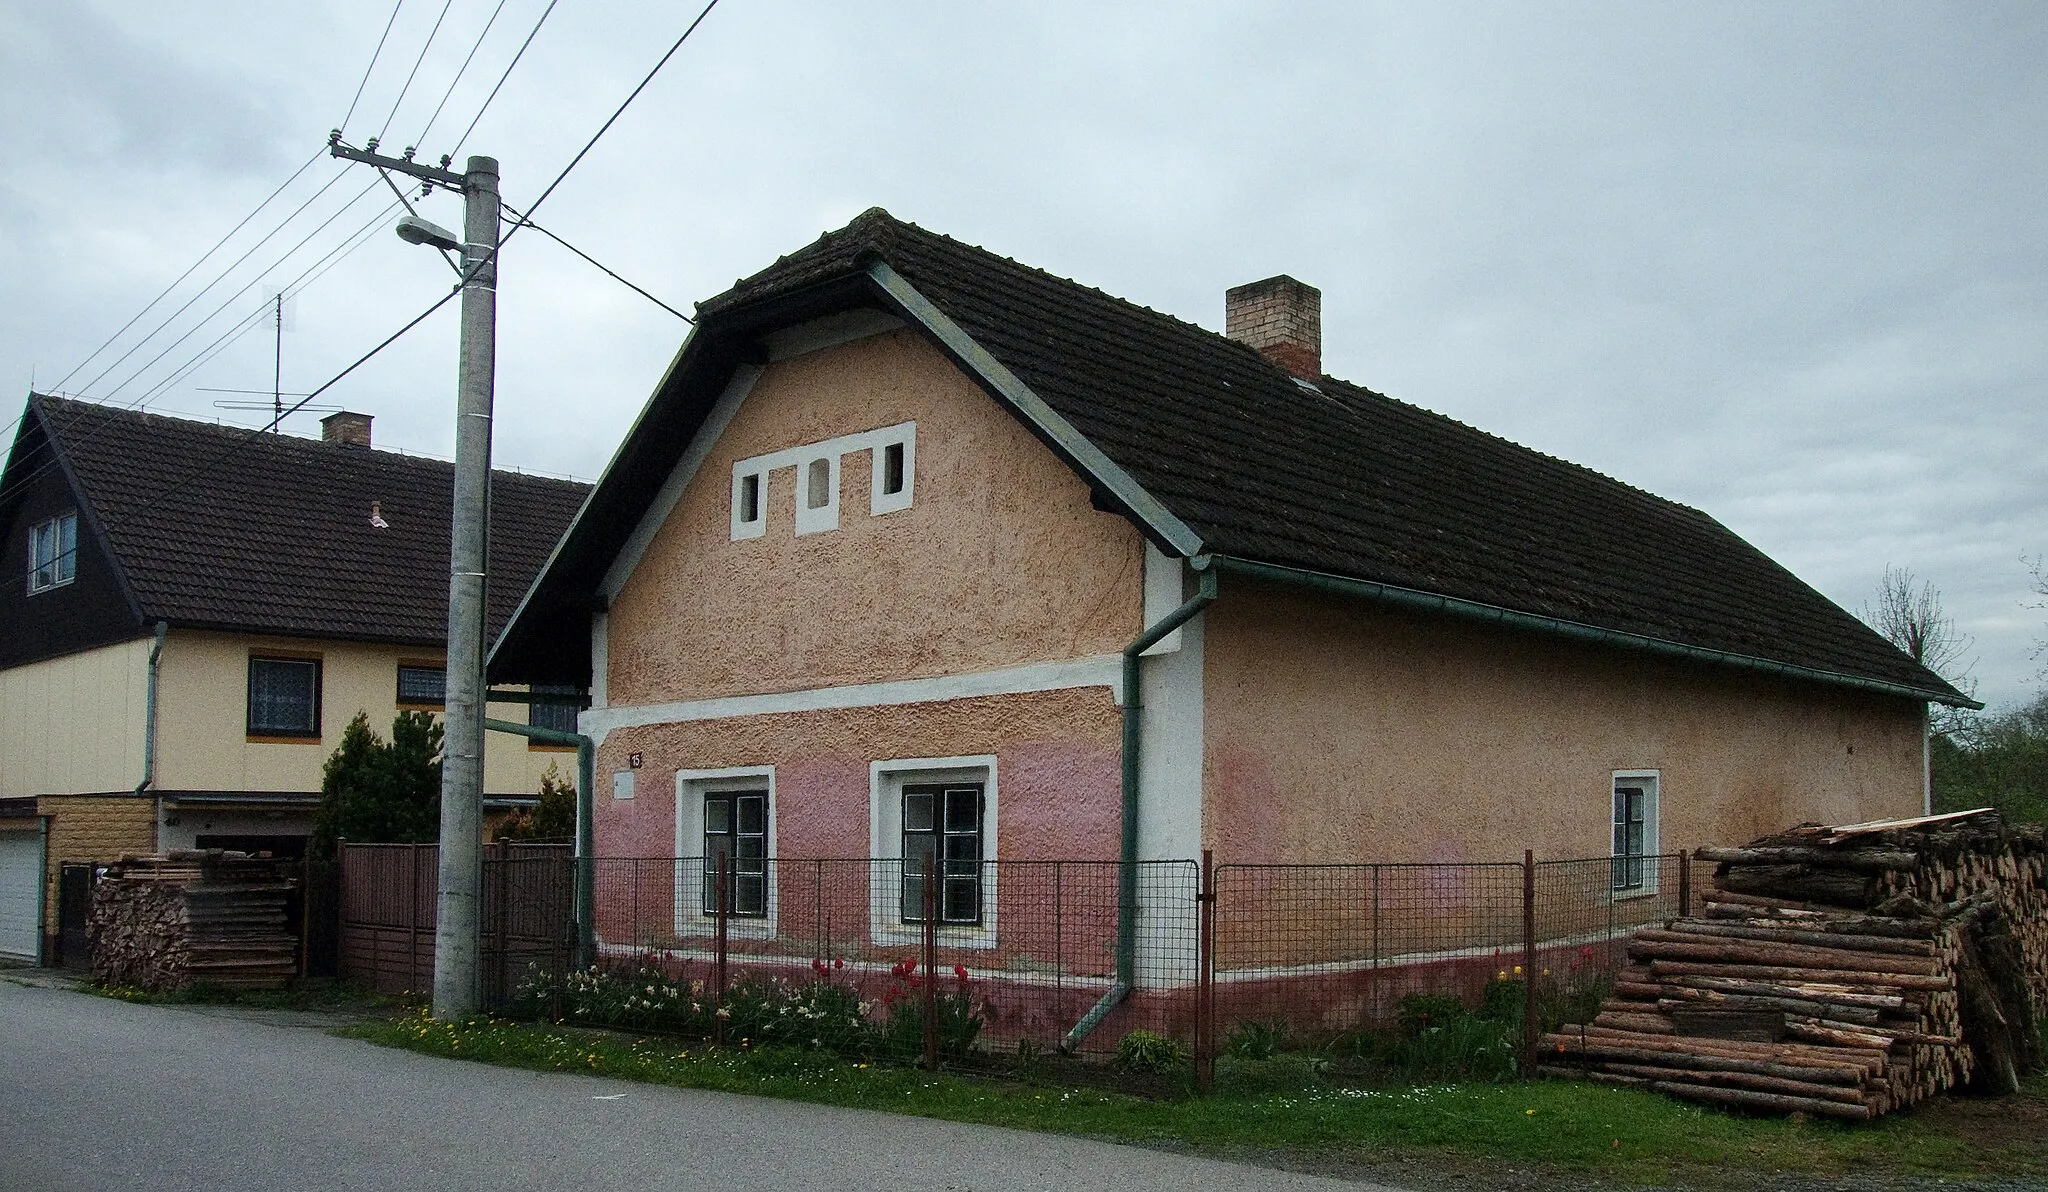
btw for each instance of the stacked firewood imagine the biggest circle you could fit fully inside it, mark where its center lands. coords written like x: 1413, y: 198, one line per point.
x: 191, y: 917
x: 1842, y: 971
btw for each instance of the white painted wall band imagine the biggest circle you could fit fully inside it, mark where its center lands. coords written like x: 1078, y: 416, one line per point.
x: 1104, y: 670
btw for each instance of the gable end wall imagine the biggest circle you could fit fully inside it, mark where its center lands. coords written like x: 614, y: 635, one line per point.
x: 999, y: 562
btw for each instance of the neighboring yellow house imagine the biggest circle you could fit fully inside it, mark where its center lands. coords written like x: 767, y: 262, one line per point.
x: 204, y: 612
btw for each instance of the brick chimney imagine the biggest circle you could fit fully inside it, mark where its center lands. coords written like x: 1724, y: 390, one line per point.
x: 1283, y: 319
x: 352, y: 430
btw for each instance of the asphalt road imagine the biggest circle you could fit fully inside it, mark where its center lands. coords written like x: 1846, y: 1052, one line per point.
x: 99, y: 1094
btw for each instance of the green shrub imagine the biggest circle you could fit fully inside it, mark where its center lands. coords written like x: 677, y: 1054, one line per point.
x: 1419, y: 1011
x: 1502, y: 1000
x: 1147, y: 1053
x: 1463, y: 1048
x: 1256, y: 1040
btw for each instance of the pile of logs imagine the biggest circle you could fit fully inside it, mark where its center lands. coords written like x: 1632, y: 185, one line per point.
x: 193, y: 917
x: 1842, y: 971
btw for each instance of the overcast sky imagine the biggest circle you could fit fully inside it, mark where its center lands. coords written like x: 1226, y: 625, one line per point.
x: 1786, y: 263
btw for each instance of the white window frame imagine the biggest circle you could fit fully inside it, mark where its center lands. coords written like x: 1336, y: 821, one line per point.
x: 886, y: 780
x: 759, y: 526
x: 904, y: 436
x: 825, y: 517
x: 1652, y: 782
x: 691, y: 787
x: 62, y: 564
x: 833, y: 452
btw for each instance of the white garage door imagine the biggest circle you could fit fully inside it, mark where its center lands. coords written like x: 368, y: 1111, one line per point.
x: 21, y: 893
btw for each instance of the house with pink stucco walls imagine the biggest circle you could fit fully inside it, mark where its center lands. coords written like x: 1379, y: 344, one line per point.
x: 917, y: 552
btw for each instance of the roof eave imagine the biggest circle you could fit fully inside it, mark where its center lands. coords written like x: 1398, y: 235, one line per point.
x: 1151, y: 514
x: 1577, y: 630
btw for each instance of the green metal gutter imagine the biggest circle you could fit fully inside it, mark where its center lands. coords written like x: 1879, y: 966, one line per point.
x: 1493, y: 614
x: 586, y: 781
x: 1127, y: 867
x: 156, y: 655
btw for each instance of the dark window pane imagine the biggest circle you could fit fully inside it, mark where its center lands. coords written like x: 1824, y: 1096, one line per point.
x: 67, y: 547
x: 717, y: 815
x: 561, y: 717
x: 892, y: 469
x: 963, y: 809
x: 963, y: 900
x: 422, y: 685
x: 284, y: 697
x: 753, y: 811
x: 917, y: 811
x: 750, y: 498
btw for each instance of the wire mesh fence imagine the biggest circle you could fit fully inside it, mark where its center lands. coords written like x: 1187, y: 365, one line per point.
x: 1036, y: 945
x: 1325, y: 949
x: 1067, y: 954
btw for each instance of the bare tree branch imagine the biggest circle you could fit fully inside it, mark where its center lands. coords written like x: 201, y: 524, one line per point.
x: 1908, y: 613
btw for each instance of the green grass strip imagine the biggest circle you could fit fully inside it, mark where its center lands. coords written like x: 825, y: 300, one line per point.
x: 1616, y: 1133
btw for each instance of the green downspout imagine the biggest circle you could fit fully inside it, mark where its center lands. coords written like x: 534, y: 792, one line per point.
x: 1127, y: 867
x: 156, y: 653
x: 586, y: 781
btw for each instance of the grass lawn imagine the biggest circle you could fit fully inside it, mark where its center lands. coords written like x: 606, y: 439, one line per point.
x: 1574, y: 1133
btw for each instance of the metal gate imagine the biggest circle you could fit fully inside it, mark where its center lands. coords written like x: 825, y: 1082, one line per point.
x: 74, y: 913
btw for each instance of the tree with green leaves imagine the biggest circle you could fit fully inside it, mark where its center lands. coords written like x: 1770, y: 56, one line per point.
x: 1995, y: 761
x: 378, y: 792
x: 553, y: 818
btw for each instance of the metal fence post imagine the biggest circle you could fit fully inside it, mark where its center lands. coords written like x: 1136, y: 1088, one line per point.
x: 931, y: 981
x: 499, y: 889
x: 1059, y: 950
x: 718, y: 965
x: 824, y: 951
x: 1684, y: 883
x: 1528, y: 963
x: 412, y: 920
x: 1205, y: 975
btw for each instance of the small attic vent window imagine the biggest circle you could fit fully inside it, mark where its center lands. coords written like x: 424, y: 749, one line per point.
x: 818, y: 484
x: 750, y: 498
x: 892, y: 469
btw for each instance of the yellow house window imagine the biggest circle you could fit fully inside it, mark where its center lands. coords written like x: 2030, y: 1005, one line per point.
x: 284, y: 697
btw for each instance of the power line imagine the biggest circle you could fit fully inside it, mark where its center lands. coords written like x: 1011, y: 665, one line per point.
x: 349, y: 244
x: 460, y: 141
x: 445, y: 5
x: 218, y: 278
x: 522, y: 221
x: 292, y: 289
x: 204, y: 257
x: 606, y: 126
x: 460, y: 71
x: 168, y: 348
x: 374, y: 55
x: 207, y: 466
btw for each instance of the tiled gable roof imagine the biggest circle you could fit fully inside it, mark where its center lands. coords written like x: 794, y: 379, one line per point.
x: 1343, y: 480
x: 1333, y: 479
x: 273, y: 534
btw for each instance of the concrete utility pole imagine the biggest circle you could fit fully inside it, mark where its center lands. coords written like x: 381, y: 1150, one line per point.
x: 458, y: 985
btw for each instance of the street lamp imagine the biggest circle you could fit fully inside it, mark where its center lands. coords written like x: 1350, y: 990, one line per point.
x: 414, y: 230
